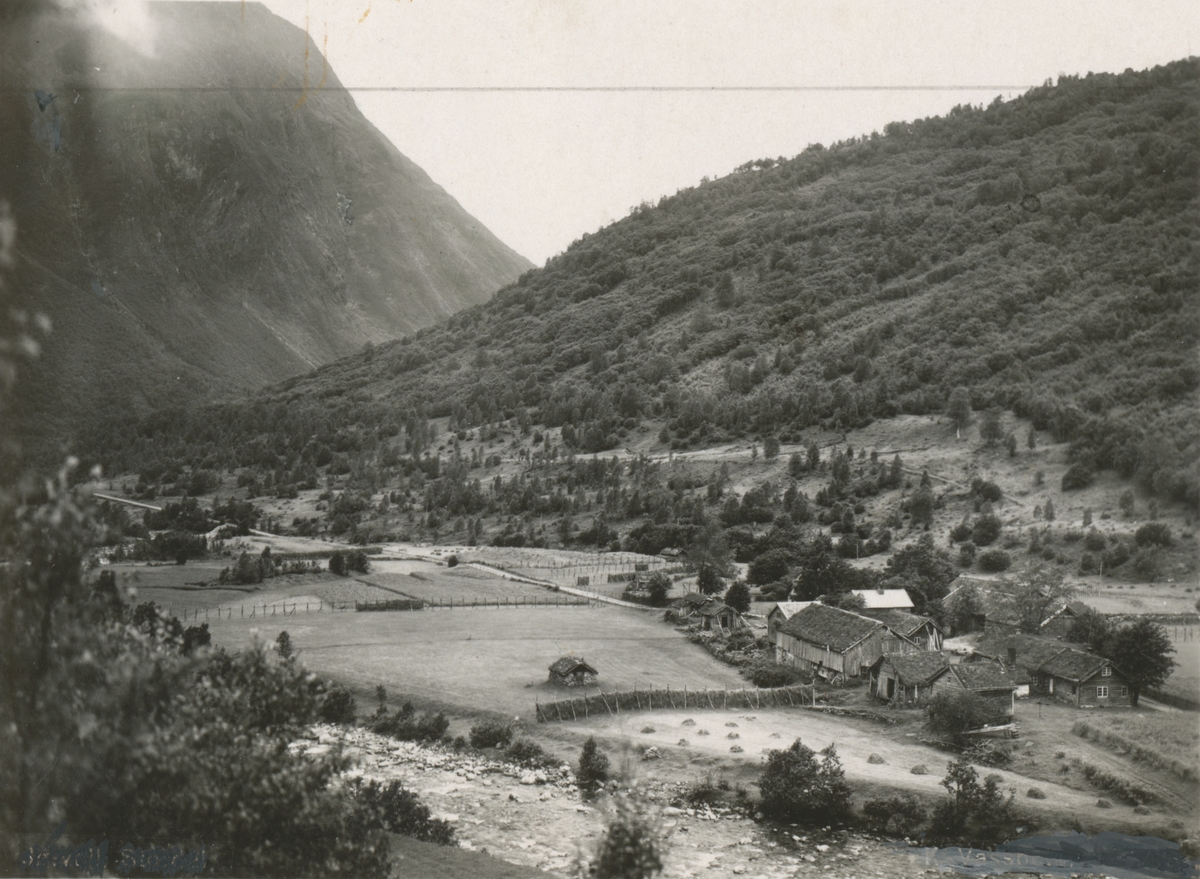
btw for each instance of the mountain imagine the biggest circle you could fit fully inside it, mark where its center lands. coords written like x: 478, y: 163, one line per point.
x: 206, y: 210
x: 1039, y: 253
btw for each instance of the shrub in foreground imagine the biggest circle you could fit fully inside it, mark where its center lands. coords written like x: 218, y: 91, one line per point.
x: 394, y: 808
x: 796, y: 786
x: 899, y: 815
x: 490, y: 733
x: 408, y: 725
x: 338, y: 706
x: 633, y: 843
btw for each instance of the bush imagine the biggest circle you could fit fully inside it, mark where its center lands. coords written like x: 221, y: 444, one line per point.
x: 966, y: 554
x: 632, y: 846
x: 451, y: 561
x: 345, y: 562
x: 954, y: 713
x: 1078, y: 476
x: 531, y: 754
x: 961, y: 531
x: 765, y: 672
x: 593, y: 766
x: 1153, y: 534
x: 394, y: 808
x: 994, y: 561
x: 489, y: 734
x: 988, y: 491
x: 796, y: 786
x: 338, y: 706
x: 899, y: 815
x: 976, y: 814
x: 1095, y: 541
x: 985, y: 530
x: 407, y: 725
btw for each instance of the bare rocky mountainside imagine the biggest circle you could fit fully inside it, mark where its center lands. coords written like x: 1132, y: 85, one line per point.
x: 207, y: 210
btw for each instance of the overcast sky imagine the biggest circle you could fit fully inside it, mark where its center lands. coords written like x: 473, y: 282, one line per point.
x: 547, y: 119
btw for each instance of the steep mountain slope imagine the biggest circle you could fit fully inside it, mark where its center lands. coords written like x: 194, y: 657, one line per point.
x: 211, y: 212
x: 1039, y: 252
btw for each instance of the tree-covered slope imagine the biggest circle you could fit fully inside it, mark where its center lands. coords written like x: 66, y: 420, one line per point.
x: 1039, y: 252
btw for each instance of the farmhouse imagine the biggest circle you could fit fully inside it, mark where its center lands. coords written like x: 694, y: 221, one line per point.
x: 781, y: 613
x: 884, y: 599
x: 907, y: 678
x: 1083, y: 679
x: 571, y: 671
x: 993, y: 607
x: 834, y: 643
x: 707, y: 612
x: 922, y: 631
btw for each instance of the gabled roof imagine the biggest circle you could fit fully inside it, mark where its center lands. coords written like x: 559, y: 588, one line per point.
x: 884, y: 598
x: 788, y: 608
x: 917, y: 668
x: 569, y: 665
x: 692, y: 599
x: 1073, y: 665
x: 898, y: 621
x: 714, y: 607
x: 985, y: 675
x: 831, y: 627
x: 1031, y: 650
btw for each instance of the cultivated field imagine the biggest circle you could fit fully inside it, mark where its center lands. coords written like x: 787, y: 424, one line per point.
x: 1173, y: 734
x: 487, y: 659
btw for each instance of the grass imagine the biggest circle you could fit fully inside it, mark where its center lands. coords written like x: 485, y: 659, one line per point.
x: 436, y: 583
x: 1174, y: 735
x: 1185, y: 680
x: 490, y: 659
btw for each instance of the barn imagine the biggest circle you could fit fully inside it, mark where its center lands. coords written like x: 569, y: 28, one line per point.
x: 987, y: 679
x: 781, y: 613
x: 922, y: 631
x: 836, y: 644
x: 572, y: 671
x: 907, y: 678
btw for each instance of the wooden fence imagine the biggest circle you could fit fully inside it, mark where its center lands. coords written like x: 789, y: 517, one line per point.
x: 253, y: 611
x: 752, y: 698
x: 462, y: 603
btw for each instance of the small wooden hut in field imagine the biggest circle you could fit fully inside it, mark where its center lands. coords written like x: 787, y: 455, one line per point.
x: 570, y: 671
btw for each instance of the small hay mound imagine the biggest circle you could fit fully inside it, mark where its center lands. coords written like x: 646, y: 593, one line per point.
x: 1035, y: 794
x: 876, y: 760
x: 733, y: 735
x: 702, y: 732
x: 1141, y: 810
x: 731, y: 723
x: 920, y: 769
x: 1103, y: 804
x: 683, y: 743
x: 688, y: 722
x: 648, y: 729
x: 736, y: 749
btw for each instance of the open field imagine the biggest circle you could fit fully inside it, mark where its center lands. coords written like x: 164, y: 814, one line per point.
x: 1173, y: 734
x: 433, y: 582
x: 490, y: 659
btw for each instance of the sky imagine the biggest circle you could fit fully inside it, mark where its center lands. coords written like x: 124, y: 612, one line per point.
x: 548, y: 119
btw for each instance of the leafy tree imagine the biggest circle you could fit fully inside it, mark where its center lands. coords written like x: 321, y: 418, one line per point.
x: 633, y: 843
x: 921, y: 506
x: 708, y: 582
x: 738, y: 597
x: 991, y: 427
x: 283, y: 645
x: 1079, y: 475
x: 954, y: 713
x: 1010, y: 444
x: 657, y: 589
x: 1048, y: 510
x: 1153, y: 534
x: 962, y: 609
x: 1127, y: 503
x: 994, y: 561
x: 593, y: 765
x: 1142, y: 651
x: 985, y: 530
x: 977, y: 814
x: 958, y: 409
x: 771, y: 447
x: 797, y: 787
x: 814, y: 455
x: 1042, y: 593
x: 847, y: 601
x: 772, y: 565
x: 924, y: 570
x: 1091, y: 628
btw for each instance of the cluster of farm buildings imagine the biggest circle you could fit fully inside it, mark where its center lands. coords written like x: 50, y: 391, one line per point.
x: 903, y: 658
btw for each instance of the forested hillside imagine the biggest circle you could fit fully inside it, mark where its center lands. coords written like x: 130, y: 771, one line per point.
x: 1040, y: 253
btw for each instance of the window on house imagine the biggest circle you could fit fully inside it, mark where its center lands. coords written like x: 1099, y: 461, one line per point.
x: 1102, y: 692
x: 1122, y: 691
x: 1106, y: 672
x: 1074, y: 689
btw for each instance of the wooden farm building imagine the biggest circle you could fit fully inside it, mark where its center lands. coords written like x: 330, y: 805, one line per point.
x: 781, y: 613
x: 922, y: 631
x: 1082, y: 679
x: 907, y: 678
x: 1050, y: 667
x: 572, y: 671
x: 836, y: 644
x: 996, y: 609
x: 709, y: 613
x: 885, y: 599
